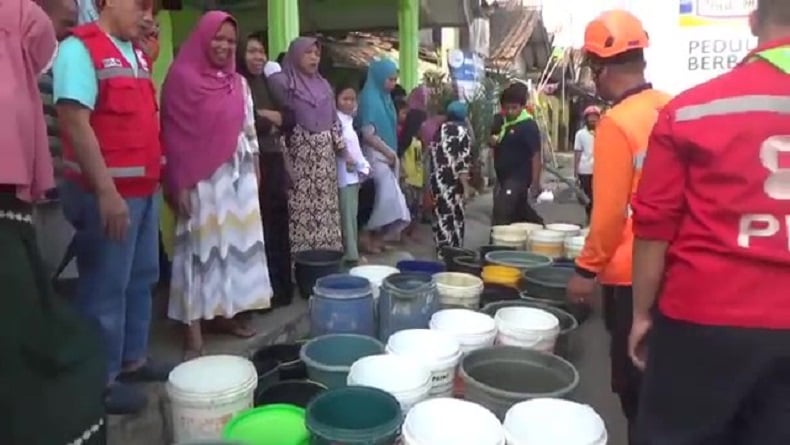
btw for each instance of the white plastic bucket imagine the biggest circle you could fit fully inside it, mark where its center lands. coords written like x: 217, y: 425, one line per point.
x: 547, y: 242
x: 509, y: 236
x: 206, y: 392
x: 375, y: 274
x: 404, y: 378
x: 458, y: 289
x: 574, y: 245
x: 473, y: 330
x: 527, y: 327
x: 435, y: 350
x: 445, y: 421
x: 506, y: 230
x: 527, y: 228
x: 554, y: 421
x: 565, y: 228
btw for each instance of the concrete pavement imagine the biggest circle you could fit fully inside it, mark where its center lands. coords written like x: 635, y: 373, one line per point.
x: 152, y: 427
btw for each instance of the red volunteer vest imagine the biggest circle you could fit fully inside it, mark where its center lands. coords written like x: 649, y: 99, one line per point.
x: 125, y: 117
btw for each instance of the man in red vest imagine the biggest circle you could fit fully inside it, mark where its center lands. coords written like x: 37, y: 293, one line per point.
x: 711, y: 218
x: 112, y: 159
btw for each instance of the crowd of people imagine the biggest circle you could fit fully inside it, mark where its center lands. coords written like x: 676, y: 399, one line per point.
x: 260, y: 161
x: 257, y: 160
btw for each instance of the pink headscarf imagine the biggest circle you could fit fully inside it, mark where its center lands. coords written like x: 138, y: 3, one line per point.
x: 202, y: 108
x: 27, y: 46
x: 418, y: 98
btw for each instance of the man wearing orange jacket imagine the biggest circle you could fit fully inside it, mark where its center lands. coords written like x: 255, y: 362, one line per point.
x: 614, y: 50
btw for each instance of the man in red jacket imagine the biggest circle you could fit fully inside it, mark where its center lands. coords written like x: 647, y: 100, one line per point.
x: 711, y: 220
x: 112, y: 160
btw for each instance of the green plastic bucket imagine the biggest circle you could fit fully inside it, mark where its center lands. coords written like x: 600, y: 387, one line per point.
x: 279, y: 424
x: 355, y: 415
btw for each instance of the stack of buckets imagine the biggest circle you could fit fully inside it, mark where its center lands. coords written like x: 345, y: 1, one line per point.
x: 413, y: 377
x: 558, y: 240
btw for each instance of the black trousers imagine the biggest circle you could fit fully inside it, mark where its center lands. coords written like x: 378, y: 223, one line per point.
x: 273, y: 197
x: 511, y: 203
x: 626, y: 378
x: 710, y: 385
x: 367, y: 197
x: 585, y: 181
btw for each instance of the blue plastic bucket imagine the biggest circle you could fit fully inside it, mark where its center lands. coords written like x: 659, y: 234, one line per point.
x: 429, y: 267
x: 342, y: 304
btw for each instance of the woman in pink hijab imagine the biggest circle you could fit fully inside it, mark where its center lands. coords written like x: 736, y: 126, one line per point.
x: 52, y: 366
x: 208, y: 132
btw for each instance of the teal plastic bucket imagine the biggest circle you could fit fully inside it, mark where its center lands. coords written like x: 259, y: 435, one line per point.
x: 356, y: 415
x: 329, y: 357
x: 278, y: 424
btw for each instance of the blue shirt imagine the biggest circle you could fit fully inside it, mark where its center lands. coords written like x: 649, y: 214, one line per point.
x: 73, y: 72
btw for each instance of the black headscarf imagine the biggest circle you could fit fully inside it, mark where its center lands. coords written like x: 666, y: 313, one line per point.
x: 411, y: 129
x: 261, y: 95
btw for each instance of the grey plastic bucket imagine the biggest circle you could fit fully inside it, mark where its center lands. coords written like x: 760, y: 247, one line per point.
x: 566, y: 346
x: 501, y: 376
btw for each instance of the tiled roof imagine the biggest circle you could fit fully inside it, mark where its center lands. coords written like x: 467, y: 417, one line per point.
x: 511, y: 28
x: 357, y: 50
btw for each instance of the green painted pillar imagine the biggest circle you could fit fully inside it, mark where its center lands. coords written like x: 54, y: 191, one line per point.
x: 409, y: 35
x: 283, y: 17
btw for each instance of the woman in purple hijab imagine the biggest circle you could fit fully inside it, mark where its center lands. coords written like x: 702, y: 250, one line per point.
x: 312, y: 147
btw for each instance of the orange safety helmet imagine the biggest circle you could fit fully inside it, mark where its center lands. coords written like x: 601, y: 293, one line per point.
x: 592, y: 109
x: 613, y: 33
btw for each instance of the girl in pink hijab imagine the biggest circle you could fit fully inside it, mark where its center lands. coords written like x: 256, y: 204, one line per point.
x: 208, y: 132
x: 52, y: 360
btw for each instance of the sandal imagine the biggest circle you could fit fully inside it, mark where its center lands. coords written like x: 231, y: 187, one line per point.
x: 232, y: 327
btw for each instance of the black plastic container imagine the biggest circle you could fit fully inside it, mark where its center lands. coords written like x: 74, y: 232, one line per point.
x: 494, y: 293
x: 449, y: 253
x: 310, y: 265
x: 286, y: 356
x: 292, y: 392
x: 467, y: 264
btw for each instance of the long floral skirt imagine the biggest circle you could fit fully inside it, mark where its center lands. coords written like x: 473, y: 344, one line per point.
x: 313, y: 203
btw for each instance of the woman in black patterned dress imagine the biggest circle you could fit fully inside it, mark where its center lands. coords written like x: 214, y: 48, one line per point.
x: 451, y: 158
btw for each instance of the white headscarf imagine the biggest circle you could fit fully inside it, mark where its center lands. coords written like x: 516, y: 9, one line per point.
x: 271, y: 68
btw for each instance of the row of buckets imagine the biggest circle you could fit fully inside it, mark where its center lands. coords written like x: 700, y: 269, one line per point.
x: 371, y: 393
x: 457, y: 356
x: 555, y: 240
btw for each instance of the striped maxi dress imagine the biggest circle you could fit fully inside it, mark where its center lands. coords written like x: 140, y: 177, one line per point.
x: 219, y: 259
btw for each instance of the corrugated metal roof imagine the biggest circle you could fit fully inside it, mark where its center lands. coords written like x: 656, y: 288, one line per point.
x: 357, y: 50
x: 511, y: 30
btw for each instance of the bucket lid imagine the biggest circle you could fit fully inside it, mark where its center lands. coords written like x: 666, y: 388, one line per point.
x: 213, y: 375
x: 548, y: 421
x: 462, y: 322
x: 427, y: 423
x: 280, y: 424
x: 391, y: 373
x: 527, y: 318
x: 423, y: 343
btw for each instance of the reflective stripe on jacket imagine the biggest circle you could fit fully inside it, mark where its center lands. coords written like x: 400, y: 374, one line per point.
x: 125, y: 118
x: 716, y: 188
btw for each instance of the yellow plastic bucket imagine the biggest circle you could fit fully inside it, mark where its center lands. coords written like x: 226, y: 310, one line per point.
x: 502, y: 275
